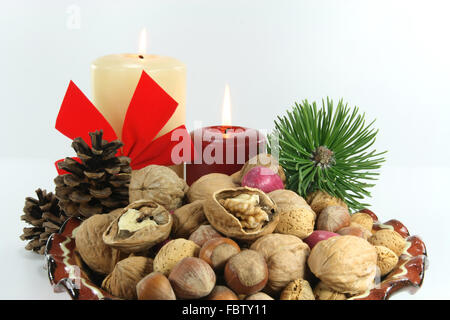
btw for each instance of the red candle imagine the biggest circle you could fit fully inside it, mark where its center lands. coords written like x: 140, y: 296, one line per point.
x: 223, y: 149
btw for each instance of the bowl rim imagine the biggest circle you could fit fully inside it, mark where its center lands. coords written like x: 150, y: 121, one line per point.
x: 60, y: 254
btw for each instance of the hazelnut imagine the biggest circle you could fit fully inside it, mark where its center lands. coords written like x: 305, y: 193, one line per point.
x: 246, y: 272
x: 172, y: 252
x: 259, y: 296
x: 285, y: 256
x: 206, y: 185
x: 285, y: 199
x: 319, y: 200
x: 296, y: 216
x: 355, y: 230
x: 390, y: 239
x: 333, y: 218
x: 222, y: 293
x: 203, y: 234
x: 192, y: 278
x: 387, y: 259
x: 362, y: 219
x: 217, y: 251
x: 322, y: 292
x: 187, y: 219
x: 122, y: 281
x: 297, y: 290
x: 345, y: 264
x: 155, y: 286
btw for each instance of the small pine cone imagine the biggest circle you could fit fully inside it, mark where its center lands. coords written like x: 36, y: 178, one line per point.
x: 99, y: 184
x: 45, y: 216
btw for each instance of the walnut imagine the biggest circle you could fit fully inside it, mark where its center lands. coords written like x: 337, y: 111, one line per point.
x: 296, y: 216
x: 173, y: 252
x: 187, y: 219
x: 122, y: 281
x: 390, y: 239
x: 322, y: 292
x: 141, y: 225
x: 298, y: 289
x: 246, y: 208
x: 387, y: 259
x: 206, y: 185
x: 242, y: 213
x: 89, y: 243
x: 159, y: 184
x: 285, y: 256
x: 319, y: 200
x: 345, y: 264
x: 262, y: 159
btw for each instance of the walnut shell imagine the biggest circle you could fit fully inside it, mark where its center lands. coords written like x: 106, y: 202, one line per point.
x: 346, y: 264
x: 319, y: 200
x: 296, y: 216
x: 206, y: 185
x: 241, y: 219
x: 158, y: 183
x: 285, y: 256
x: 187, y: 219
x: 145, y: 237
x: 89, y: 243
x: 262, y: 159
x: 322, y: 292
x: 122, y: 281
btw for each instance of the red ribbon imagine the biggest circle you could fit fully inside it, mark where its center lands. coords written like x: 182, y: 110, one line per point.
x: 149, y: 110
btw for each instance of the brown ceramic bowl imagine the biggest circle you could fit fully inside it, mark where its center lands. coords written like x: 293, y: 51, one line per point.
x: 67, y: 272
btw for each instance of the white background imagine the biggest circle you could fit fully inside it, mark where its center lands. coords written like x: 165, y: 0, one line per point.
x: 390, y: 58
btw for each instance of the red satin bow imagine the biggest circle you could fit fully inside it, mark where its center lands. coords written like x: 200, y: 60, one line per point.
x: 149, y: 110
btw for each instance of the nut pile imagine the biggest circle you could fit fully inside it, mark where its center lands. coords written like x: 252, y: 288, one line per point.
x: 219, y: 240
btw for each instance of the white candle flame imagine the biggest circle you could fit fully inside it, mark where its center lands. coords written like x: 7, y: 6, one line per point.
x: 226, y: 107
x: 142, y: 48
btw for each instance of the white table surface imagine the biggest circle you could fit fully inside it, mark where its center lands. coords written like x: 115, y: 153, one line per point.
x: 417, y: 196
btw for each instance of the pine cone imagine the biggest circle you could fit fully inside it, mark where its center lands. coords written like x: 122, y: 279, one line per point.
x: 46, y: 218
x: 99, y: 184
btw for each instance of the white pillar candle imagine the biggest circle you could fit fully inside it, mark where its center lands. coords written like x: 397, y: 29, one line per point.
x: 115, y: 77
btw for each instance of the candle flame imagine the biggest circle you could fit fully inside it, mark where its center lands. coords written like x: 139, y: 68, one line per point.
x: 226, y: 107
x: 142, y: 48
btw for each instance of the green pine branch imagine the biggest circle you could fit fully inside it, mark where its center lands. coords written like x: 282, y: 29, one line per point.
x: 327, y: 149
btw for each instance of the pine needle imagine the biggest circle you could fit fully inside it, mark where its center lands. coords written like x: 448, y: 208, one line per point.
x: 327, y: 149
